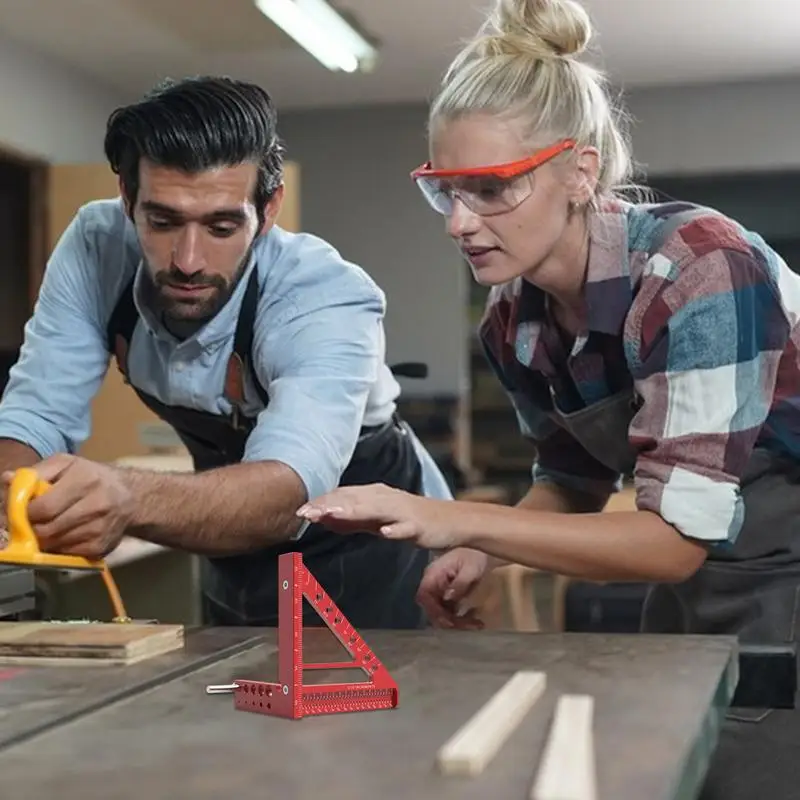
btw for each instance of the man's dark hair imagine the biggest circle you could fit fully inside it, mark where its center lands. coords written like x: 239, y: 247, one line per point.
x: 197, y: 124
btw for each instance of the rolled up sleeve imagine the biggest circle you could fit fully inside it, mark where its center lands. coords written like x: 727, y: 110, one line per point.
x: 711, y: 339
x: 323, y: 360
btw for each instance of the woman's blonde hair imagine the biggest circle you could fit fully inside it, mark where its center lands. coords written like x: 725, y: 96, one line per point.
x: 522, y: 65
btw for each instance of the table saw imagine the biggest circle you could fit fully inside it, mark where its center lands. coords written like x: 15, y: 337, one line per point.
x: 150, y: 729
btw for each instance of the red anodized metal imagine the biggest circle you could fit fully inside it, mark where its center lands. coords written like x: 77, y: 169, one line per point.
x: 290, y: 697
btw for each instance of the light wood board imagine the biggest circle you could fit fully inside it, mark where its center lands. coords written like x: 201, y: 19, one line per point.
x: 85, y: 643
x: 474, y: 745
x: 567, y: 767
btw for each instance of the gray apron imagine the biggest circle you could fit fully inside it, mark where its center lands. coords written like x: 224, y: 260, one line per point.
x: 751, y: 589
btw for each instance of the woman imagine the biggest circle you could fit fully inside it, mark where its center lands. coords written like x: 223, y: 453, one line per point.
x: 653, y: 339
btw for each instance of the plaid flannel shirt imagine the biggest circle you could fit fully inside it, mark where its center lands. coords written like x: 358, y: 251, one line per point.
x: 702, y: 317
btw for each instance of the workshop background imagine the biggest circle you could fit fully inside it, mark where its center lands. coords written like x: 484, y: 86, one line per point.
x: 713, y: 88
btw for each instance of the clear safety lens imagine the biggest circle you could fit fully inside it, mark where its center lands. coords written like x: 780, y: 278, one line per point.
x: 484, y: 195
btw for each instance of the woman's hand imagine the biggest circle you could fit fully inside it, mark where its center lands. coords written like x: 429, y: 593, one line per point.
x: 387, y: 512
x: 447, y: 585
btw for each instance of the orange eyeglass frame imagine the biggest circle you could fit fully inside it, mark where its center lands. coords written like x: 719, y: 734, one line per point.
x: 505, y: 171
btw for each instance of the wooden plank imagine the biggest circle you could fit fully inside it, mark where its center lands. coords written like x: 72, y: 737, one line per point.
x: 474, y: 745
x: 89, y: 643
x: 567, y: 770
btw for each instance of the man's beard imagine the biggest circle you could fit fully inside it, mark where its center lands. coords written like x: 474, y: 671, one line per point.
x: 194, y: 310
x: 190, y: 309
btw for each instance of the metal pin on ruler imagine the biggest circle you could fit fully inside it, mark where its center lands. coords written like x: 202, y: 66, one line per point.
x: 290, y: 697
x: 222, y: 688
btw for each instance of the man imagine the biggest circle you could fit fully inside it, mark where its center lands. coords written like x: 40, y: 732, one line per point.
x: 263, y: 349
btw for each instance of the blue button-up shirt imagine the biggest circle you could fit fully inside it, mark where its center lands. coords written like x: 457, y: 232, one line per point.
x: 318, y: 350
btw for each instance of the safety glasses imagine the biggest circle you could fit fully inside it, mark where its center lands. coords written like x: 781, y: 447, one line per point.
x: 486, y: 191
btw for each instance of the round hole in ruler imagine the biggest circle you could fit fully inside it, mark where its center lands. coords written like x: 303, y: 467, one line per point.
x: 269, y: 691
x: 319, y: 596
x: 286, y: 690
x: 338, y: 619
x: 328, y: 610
x: 285, y: 585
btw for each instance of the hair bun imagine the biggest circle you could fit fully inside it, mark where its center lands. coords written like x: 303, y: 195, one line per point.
x: 539, y: 28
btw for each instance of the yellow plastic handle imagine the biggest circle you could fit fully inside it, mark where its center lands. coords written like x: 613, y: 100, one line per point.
x: 25, y: 485
x: 23, y: 544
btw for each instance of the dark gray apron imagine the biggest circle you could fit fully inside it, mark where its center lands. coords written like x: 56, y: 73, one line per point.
x: 751, y: 589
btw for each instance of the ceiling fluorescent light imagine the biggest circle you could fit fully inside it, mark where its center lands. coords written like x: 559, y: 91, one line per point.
x: 322, y: 31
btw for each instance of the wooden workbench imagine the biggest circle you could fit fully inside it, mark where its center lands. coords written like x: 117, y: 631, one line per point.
x: 38, y: 699
x: 659, y: 703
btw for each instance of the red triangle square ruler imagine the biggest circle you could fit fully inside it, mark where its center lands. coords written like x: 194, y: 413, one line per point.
x: 290, y: 697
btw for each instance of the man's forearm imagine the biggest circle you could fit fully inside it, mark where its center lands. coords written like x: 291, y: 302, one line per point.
x: 224, y: 511
x: 13, y: 455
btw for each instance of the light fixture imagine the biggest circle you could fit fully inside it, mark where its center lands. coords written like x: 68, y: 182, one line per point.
x: 323, y: 32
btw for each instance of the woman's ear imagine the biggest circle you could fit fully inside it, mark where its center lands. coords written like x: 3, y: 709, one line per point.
x: 587, y: 171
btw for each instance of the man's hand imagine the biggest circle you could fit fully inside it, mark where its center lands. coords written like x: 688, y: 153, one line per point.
x: 86, y: 512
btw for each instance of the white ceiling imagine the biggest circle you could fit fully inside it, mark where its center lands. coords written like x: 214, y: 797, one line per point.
x: 130, y: 44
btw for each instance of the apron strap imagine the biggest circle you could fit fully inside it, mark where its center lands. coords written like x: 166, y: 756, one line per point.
x: 119, y: 330
x: 242, y: 354
x: 243, y: 338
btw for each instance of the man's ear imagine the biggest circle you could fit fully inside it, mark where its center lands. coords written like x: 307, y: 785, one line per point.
x: 125, y: 201
x: 272, y: 209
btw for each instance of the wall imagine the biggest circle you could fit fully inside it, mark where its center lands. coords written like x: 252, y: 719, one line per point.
x: 49, y: 111
x: 53, y: 112
x: 717, y: 128
x: 357, y: 195
x: 767, y: 202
